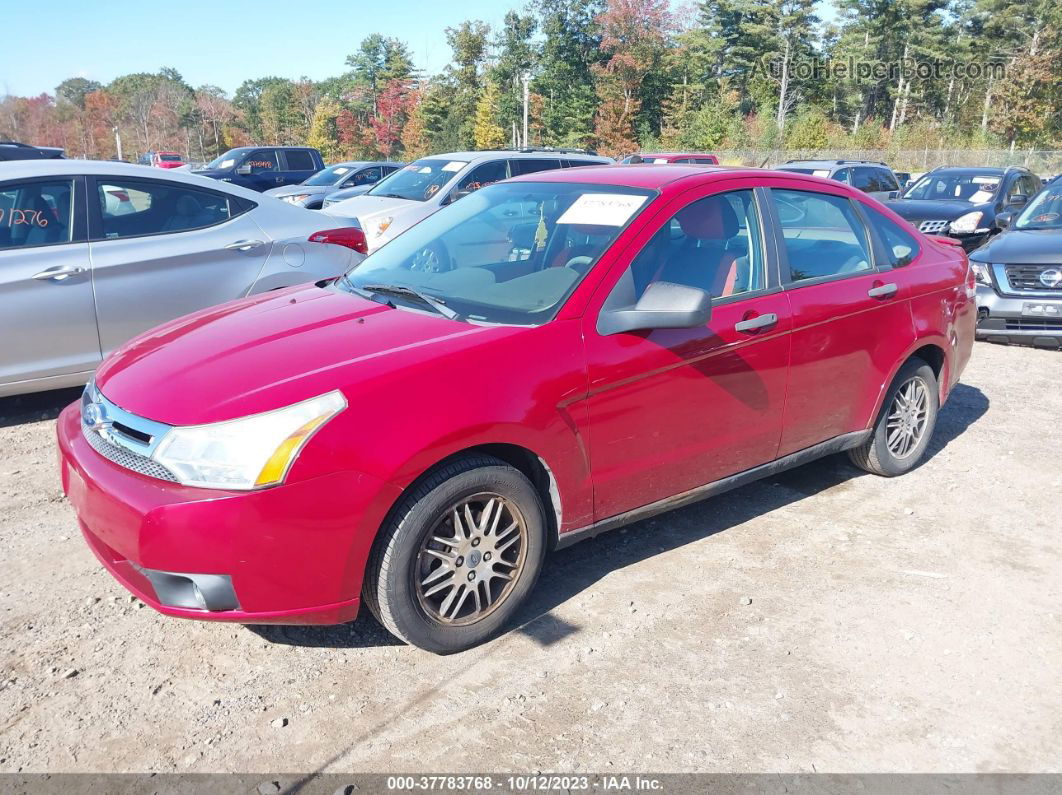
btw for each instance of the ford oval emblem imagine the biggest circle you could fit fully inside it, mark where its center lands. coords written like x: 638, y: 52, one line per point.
x: 1051, y: 278
x: 93, y: 416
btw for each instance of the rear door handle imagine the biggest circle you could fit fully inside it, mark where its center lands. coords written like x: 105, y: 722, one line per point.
x: 244, y: 245
x: 756, y: 323
x: 58, y: 274
x: 884, y: 291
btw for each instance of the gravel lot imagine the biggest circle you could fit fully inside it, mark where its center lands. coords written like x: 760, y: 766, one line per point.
x: 897, y: 625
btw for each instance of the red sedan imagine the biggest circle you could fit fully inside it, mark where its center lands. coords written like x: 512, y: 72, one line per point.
x: 545, y: 359
x: 658, y: 158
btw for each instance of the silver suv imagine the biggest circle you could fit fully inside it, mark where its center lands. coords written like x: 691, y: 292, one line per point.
x: 414, y: 192
x: 877, y: 179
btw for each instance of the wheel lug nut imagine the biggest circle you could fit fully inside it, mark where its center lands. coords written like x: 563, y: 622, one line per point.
x: 459, y: 561
x: 486, y: 556
x: 475, y: 542
x: 471, y: 576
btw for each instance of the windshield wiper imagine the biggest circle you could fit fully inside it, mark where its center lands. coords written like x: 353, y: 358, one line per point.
x: 402, y: 291
x: 390, y: 195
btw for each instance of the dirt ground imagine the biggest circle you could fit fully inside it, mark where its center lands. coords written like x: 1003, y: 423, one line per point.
x: 912, y: 624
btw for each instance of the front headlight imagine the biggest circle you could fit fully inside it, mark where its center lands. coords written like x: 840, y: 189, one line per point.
x: 383, y: 225
x: 296, y: 198
x: 248, y: 453
x: 965, y: 224
x: 982, y: 272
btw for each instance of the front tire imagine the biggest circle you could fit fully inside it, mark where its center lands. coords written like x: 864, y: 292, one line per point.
x: 905, y: 424
x: 458, y: 555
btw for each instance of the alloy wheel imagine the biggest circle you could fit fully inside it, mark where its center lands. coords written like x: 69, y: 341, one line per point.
x: 471, y: 559
x: 908, y: 415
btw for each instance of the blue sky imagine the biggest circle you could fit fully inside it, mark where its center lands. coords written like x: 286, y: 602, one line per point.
x: 222, y: 43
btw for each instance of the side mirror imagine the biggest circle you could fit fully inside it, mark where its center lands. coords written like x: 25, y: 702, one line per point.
x: 244, y: 170
x: 1018, y: 200
x: 1004, y: 218
x: 662, y: 305
x: 893, y: 194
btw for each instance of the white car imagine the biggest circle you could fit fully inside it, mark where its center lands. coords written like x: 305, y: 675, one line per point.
x: 414, y: 192
x: 93, y: 253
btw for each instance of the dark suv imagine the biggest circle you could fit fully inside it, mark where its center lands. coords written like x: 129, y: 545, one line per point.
x: 263, y: 167
x: 963, y: 202
x: 877, y: 179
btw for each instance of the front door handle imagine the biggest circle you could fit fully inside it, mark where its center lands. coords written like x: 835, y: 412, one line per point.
x: 756, y: 323
x: 58, y: 274
x: 883, y: 291
x: 245, y: 245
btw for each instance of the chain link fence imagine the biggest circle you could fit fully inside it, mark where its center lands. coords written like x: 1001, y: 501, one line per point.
x: 1044, y: 162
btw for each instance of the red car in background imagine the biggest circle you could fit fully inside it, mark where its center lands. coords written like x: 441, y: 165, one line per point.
x: 656, y: 158
x: 545, y: 359
x: 166, y: 160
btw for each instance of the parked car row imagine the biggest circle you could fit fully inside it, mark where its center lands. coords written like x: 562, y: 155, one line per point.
x: 593, y: 346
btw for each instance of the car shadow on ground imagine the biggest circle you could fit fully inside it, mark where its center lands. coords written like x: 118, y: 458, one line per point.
x: 23, y: 409
x: 571, y: 571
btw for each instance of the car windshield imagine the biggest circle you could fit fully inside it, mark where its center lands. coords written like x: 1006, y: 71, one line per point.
x: 227, y: 160
x: 973, y: 188
x: 510, y: 253
x: 170, y: 158
x: 329, y: 176
x: 419, y: 181
x: 1044, y: 211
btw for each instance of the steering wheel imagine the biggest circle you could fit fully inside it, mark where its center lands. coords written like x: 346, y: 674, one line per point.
x: 432, y: 258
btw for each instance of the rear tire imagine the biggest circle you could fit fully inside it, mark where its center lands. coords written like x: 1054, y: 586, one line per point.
x: 905, y: 423
x: 447, y: 582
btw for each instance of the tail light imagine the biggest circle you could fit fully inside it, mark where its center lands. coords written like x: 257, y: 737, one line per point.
x: 348, y: 236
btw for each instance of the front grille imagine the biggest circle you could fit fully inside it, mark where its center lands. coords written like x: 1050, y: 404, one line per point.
x: 1032, y: 324
x: 127, y: 458
x: 932, y: 227
x: 1027, y: 277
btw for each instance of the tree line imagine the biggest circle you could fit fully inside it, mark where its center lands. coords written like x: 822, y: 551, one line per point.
x: 617, y: 76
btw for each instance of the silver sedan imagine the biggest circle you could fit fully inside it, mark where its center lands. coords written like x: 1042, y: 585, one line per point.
x: 94, y: 252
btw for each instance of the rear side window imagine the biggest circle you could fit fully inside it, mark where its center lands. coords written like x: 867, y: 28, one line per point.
x: 36, y: 213
x: 900, y: 246
x: 705, y: 161
x: 483, y: 175
x: 865, y: 179
x: 887, y: 180
x: 573, y: 163
x: 822, y: 235
x: 530, y: 166
x: 299, y: 160
x: 130, y: 208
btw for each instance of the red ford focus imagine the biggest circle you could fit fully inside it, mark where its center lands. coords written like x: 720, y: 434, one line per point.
x: 545, y: 359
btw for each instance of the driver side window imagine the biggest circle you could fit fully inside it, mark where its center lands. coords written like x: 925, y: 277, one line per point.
x: 483, y: 175
x: 261, y: 161
x: 713, y: 243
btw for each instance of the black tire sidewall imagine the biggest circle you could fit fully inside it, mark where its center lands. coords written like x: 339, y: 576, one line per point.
x: 889, y: 463
x: 396, y: 576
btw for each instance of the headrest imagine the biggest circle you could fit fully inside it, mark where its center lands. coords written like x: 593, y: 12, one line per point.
x: 711, y: 218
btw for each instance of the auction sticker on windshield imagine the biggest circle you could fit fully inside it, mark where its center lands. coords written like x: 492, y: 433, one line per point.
x: 602, y: 209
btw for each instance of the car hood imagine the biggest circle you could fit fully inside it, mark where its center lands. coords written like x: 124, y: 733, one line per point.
x: 272, y: 350
x: 368, y: 211
x: 939, y: 210
x: 349, y: 193
x: 213, y: 173
x: 1022, y: 247
x: 298, y: 190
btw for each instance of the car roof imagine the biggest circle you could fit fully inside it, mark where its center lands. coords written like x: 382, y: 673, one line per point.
x: 490, y: 154
x: 636, y: 175
x: 28, y: 169
x: 833, y: 163
x: 359, y: 163
x: 969, y: 170
x: 675, y: 154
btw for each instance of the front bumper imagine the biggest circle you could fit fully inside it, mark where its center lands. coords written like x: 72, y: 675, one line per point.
x: 293, y: 554
x: 1005, y: 318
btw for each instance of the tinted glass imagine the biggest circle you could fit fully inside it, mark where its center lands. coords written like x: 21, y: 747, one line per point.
x: 261, y: 161
x: 419, y: 181
x: 900, y: 245
x: 705, y: 161
x: 367, y: 176
x: 714, y: 244
x: 822, y: 234
x: 36, y: 213
x: 572, y: 163
x: 510, y: 253
x: 865, y: 179
x: 483, y: 175
x: 887, y: 180
x: 532, y: 166
x: 132, y: 209
x: 299, y: 160
x: 1044, y: 211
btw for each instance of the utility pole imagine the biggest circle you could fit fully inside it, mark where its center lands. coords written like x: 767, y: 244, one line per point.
x: 118, y: 142
x: 526, y: 79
